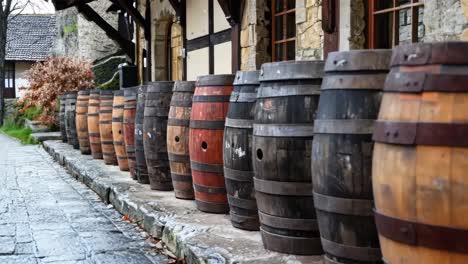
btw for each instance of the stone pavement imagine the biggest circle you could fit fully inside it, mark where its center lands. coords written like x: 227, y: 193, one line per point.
x: 46, y: 216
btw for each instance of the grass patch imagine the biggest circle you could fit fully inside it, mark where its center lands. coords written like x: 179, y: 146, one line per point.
x: 22, y: 133
x: 32, y: 112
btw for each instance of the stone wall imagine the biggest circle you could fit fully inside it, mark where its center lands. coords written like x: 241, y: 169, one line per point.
x: 79, y: 37
x: 11, y: 109
x: 255, y: 35
x: 445, y: 20
x: 309, y: 34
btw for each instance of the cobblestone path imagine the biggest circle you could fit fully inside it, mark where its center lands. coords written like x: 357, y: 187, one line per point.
x: 48, y: 217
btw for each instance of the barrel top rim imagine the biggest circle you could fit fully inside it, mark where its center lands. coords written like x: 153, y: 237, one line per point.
x: 358, y: 60
x: 85, y: 92
x: 298, y: 70
x: 445, y: 53
x: 95, y: 91
x: 184, y: 86
x: 118, y: 92
x: 247, y: 77
x: 107, y: 92
x: 215, y: 80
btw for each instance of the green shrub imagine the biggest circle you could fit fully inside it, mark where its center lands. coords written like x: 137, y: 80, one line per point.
x: 22, y: 133
x: 32, y: 112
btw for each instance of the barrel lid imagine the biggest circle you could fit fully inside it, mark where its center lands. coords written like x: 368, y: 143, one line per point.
x: 359, y: 60
x: 107, y: 92
x: 95, y: 91
x: 162, y: 86
x: 247, y: 77
x: 119, y: 92
x: 129, y: 91
x: 292, y: 70
x: 215, y: 80
x: 184, y: 86
x: 430, y: 53
x: 83, y: 92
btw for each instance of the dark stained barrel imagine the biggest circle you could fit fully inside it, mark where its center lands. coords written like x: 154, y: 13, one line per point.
x: 238, y: 170
x: 141, y: 169
x: 117, y: 130
x: 178, y: 139
x: 82, y: 122
x: 209, y: 110
x: 130, y: 96
x: 285, y: 110
x: 93, y: 124
x: 342, y: 154
x: 63, y: 130
x: 157, y: 103
x: 105, y: 127
x: 419, y: 168
x: 70, y: 119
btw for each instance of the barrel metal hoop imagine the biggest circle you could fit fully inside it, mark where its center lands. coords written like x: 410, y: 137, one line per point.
x: 420, y: 234
x: 243, y: 97
x: 416, y: 82
x: 351, y: 252
x: 242, y: 203
x: 93, y: 104
x: 181, y: 177
x: 344, y: 126
x: 277, y: 242
x: 283, y: 188
x: 118, y: 143
x: 205, y: 167
x: 207, y: 124
x: 122, y: 157
x: 130, y: 148
x: 212, y: 207
x: 283, y: 130
x: 346, y: 206
x: 266, y: 90
x: 288, y: 223
x: 375, y: 81
x: 211, y: 98
x: 93, y: 114
x: 183, y: 158
x: 106, y: 104
x: 107, y: 142
x: 178, y: 122
x: 105, y: 122
x: 209, y: 189
x: 118, y: 106
x: 238, y: 175
x: 430, y: 134
x: 239, y: 123
x: 105, y: 111
x: 112, y: 154
x: 94, y: 134
x: 117, y: 119
x: 181, y: 103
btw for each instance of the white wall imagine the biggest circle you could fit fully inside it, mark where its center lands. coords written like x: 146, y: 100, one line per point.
x: 20, y: 76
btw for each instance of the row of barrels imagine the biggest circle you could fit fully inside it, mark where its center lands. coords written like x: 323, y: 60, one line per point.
x: 289, y: 150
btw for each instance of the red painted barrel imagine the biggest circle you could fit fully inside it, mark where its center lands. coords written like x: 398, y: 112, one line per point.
x: 209, y: 110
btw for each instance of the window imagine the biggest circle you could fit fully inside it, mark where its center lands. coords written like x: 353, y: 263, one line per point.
x: 9, y: 80
x: 395, y: 22
x: 283, y: 30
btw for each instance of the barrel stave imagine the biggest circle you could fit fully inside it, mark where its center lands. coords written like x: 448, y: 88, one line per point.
x: 129, y: 112
x: 105, y: 127
x: 117, y: 130
x: 141, y: 169
x: 82, y: 122
x: 70, y: 119
x: 93, y: 124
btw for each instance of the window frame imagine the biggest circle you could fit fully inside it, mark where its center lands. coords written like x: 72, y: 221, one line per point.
x: 284, y: 14
x: 373, y: 35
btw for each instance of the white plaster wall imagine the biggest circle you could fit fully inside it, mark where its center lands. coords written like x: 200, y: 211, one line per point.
x: 20, y: 77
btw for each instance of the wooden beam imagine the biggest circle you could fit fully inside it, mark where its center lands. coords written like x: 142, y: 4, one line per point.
x: 133, y: 12
x: 64, y: 4
x: 176, y: 5
x: 231, y: 10
x: 127, y: 46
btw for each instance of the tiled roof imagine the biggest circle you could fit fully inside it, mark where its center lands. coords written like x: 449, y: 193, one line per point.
x: 30, y: 37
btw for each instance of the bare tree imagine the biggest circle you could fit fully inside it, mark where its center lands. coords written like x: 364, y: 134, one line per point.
x: 8, y: 10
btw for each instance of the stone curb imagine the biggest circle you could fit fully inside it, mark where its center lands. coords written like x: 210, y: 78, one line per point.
x: 197, y: 236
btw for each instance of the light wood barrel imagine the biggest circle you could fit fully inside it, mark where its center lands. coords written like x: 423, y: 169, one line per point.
x: 93, y: 124
x: 82, y: 121
x: 420, y: 164
x: 178, y: 139
x: 117, y: 130
x: 105, y: 127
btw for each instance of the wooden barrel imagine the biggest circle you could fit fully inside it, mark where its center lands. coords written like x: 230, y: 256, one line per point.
x: 342, y: 154
x: 157, y: 103
x: 93, y: 124
x: 141, y: 169
x: 117, y: 130
x: 105, y: 127
x: 420, y: 156
x: 82, y: 122
x: 178, y: 139
x: 286, y: 105
x: 238, y: 171
x: 209, y: 110
x: 130, y: 96
x: 63, y: 130
x: 70, y: 119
